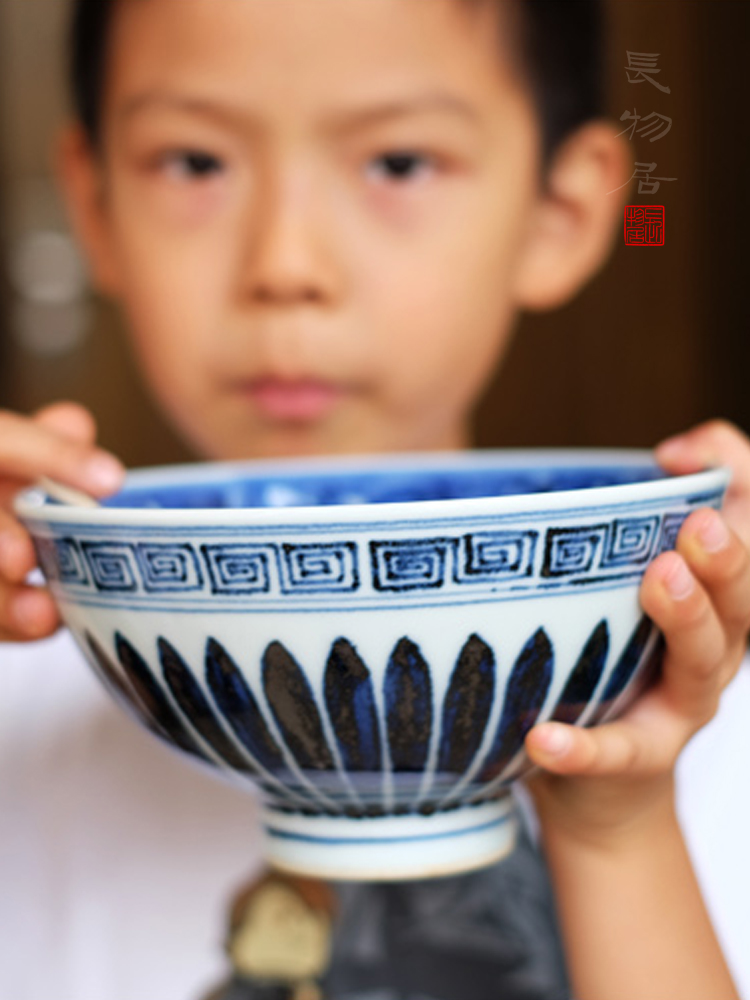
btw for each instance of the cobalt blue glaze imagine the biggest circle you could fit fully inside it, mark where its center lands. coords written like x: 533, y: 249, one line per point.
x: 585, y: 677
x: 240, y: 708
x: 195, y: 707
x: 629, y: 661
x: 391, y: 486
x: 293, y: 705
x: 350, y: 717
x: 351, y: 708
x: 379, y: 556
x: 467, y: 706
x: 524, y: 696
x: 350, y: 700
x: 408, y: 706
x: 118, y: 685
x: 153, y: 698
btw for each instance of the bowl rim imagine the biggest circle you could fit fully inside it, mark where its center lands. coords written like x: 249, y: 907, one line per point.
x: 31, y: 503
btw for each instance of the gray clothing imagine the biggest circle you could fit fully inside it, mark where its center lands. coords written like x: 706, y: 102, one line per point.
x: 488, y: 935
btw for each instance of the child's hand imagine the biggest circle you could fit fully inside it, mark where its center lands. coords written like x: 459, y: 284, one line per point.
x: 57, y: 442
x: 699, y: 596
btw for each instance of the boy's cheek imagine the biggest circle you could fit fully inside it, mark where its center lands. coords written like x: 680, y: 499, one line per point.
x: 152, y: 194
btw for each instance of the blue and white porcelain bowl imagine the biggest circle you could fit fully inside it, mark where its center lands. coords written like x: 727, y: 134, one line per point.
x: 369, y: 640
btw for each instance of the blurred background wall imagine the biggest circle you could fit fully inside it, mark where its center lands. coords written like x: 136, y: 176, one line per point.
x: 659, y: 341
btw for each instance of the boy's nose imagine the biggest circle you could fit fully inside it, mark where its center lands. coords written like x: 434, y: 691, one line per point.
x: 289, y: 258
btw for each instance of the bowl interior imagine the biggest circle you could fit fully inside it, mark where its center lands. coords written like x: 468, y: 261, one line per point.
x: 296, y: 485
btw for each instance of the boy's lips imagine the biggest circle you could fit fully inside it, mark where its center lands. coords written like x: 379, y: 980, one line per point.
x: 293, y: 399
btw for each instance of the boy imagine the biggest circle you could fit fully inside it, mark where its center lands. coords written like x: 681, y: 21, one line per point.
x: 320, y: 218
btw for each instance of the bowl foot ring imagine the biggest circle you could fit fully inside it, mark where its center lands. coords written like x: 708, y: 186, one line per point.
x: 391, y: 847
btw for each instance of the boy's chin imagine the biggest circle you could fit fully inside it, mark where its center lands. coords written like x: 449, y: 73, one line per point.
x: 353, y: 427
x: 281, y: 439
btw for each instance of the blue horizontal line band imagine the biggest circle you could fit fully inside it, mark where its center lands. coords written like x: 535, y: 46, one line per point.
x: 441, y: 600
x: 309, y: 838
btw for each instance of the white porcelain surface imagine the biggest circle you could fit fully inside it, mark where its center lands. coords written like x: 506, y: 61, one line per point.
x: 374, y: 666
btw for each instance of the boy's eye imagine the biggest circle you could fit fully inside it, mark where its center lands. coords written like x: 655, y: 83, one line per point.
x: 400, y: 166
x: 192, y: 164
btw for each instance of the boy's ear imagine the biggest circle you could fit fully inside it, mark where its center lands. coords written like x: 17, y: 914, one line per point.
x: 572, y: 228
x: 80, y: 175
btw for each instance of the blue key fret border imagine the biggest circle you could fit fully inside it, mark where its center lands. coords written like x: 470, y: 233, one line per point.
x: 395, y: 568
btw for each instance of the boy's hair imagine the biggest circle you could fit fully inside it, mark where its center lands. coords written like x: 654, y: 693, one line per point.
x: 561, y: 46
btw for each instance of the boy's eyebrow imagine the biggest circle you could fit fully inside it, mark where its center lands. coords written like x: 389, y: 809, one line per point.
x: 339, y: 122
x: 437, y: 101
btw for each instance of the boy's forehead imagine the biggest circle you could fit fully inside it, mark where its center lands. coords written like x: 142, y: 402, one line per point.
x: 430, y: 50
x: 340, y: 120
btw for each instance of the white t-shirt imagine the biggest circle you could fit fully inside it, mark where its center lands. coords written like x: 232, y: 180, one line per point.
x: 118, y: 860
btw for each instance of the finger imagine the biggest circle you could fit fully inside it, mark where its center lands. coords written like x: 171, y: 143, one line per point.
x: 711, y: 444
x: 26, y: 613
x: 716, y: 442
x: 619, y: 748
x: 719, y: 560
x: 70, y: 420
x: 9, y: 489
x: 29, y: 450
x: 696, y: 643
x: 17, y: 556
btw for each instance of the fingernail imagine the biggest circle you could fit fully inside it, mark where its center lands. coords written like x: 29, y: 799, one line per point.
x: 104, y: 472
x: 713, y: 534
x: 555, y: 739
x: 679, y: 581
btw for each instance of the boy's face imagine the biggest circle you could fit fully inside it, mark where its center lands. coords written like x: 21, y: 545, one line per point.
x: 314, y: 215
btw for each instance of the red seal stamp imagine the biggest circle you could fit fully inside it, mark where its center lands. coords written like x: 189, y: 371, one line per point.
x: 644, y: 225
